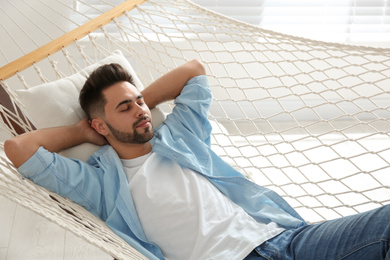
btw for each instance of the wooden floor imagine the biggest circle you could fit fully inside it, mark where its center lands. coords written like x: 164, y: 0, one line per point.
x: 25, y: 235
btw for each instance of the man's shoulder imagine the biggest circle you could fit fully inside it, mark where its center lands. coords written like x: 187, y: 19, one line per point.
x: 105, y: 154
x: 103, y: 151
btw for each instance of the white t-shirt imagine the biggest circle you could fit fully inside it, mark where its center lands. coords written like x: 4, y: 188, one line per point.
x: 186, y: 216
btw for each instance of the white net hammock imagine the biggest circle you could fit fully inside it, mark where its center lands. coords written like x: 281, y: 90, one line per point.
x: 307, y: 119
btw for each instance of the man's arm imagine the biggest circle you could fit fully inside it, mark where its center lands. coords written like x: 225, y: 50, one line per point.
x: 169, y: 86
x: 20, y: 148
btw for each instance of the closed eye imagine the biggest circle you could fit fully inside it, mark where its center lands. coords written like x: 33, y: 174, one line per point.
x: 127, y: 103
x: 126, y: 108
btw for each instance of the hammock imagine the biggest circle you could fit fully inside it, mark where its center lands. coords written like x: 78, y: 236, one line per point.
x: 307, y: 119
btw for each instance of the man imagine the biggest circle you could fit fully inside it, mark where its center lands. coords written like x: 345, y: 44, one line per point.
x: 166, y: 192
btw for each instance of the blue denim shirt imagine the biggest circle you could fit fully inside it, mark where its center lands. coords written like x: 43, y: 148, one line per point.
x: 100, y: 184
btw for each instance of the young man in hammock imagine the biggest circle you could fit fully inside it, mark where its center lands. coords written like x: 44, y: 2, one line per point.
x: 166, y: 192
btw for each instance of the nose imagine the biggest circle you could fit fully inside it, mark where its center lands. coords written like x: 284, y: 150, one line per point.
x: 140, y: 111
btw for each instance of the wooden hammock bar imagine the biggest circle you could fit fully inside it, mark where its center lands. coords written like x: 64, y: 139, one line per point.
x: 65, y: 40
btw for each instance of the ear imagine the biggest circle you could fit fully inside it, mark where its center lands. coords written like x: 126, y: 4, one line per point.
x: 100, y: 126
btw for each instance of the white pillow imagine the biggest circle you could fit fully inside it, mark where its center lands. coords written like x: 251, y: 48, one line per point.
x: 56, y: 103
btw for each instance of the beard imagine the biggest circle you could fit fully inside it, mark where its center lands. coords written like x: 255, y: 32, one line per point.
x: 135, y: 137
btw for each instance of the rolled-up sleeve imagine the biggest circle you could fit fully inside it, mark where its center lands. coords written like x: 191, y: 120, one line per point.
x: 192, y: 107
x: 70, y: 178
x: 36, y: 164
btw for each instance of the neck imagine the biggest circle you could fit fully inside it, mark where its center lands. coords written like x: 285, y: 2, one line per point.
x: 131, y: 151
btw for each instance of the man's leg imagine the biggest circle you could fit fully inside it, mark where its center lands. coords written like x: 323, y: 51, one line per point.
x: 362, y: 236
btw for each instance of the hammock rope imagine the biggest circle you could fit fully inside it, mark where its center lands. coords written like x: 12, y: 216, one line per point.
x: 307, y: 119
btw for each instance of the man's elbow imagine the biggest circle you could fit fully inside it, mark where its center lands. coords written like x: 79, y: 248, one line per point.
x: 12, y: 149
x: 197, y: 67
x: 9, y: 146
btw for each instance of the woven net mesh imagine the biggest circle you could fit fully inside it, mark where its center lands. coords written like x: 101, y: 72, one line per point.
x: 305, y: 118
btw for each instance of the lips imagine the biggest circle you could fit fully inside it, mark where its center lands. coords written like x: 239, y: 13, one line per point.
x: 144, y: 122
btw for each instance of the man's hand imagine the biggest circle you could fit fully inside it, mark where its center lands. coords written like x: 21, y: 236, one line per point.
x: 90, y: 135
x: 20, y: 148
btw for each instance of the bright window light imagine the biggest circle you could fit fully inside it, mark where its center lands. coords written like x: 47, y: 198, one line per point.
x: 364, y: 22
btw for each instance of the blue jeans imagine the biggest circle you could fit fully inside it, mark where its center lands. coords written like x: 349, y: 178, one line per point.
x: 359, y: 237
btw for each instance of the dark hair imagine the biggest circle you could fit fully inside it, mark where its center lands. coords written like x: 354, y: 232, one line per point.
x: 91, y: 97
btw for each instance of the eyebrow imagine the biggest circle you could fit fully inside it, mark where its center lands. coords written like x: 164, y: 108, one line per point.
x: 128, y: 101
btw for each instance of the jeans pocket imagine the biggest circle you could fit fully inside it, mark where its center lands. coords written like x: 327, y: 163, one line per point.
x: 267, y: 251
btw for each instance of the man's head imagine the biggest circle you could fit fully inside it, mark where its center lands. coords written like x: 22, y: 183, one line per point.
x: 115, y: 106
x: 91, y: 97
